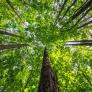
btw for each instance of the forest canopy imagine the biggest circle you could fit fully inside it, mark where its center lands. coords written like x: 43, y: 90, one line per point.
x: 64, y: 27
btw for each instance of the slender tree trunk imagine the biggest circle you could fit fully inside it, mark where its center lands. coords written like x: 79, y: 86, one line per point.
x: 61, y: 9
x: 74, y: 26
x: 69, y: 8
x: 85, y: 20
x: 12, y: 7
x: 10, y: 34
x: 48, y: 81
x: 84, y: 8
x: 80, y: 43
x: 9, y: 46
x: 85, y: 24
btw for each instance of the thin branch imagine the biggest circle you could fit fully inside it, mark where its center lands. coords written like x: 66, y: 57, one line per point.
x: 27, y: 81
x: 80, y: 18
x: 48, y: 81
x: 86, y: 19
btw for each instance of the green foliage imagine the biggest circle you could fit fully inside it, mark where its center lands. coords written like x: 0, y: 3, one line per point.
x: 73, y: 65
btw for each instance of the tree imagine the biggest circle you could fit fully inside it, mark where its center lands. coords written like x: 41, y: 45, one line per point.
x: 85, y: 24
x: 33, y: 20
x: 85, y: 6
x: 48, y: 81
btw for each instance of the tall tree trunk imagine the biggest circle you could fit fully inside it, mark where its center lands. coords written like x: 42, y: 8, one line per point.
x: 12, y: 7
x: 85, y: 24
x: 61, y: 9
x: 84, y: 8
x: 73, y: 16
x: 69, y: 8
x: 9, y: 46
x: 48, y: 81
x: 87, y: 11
x: 10, y: 34
x: 85, y: 20
x: 80, y: 43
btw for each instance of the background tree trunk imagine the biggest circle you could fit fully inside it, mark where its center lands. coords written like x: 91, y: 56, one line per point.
x: 10, y: 34
x: 9, y: 46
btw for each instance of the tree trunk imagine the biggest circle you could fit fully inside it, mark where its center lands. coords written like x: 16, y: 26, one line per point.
x: 69, y: 8
x: 9, y: 46
x: 48, y: 81
x: 12, y: 7
x: 85, y: 24
x: 80, y: 43
x: 84, y: 8
x: 10, y: 34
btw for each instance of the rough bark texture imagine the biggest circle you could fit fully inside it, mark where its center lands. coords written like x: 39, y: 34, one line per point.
x: 69, y: 8
x: 47, y: 80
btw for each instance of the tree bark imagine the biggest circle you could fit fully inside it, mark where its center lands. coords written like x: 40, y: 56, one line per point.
x: 84, y: 8
x: 12, y: 7
x: 48, y: 81
x: 10, y: 34
x: 85, y: 24
x: 80, y: 43
x: 69, y: 8
x: 10, y: 46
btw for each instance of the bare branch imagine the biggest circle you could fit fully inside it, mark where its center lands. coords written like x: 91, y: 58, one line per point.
x: 69, y: 8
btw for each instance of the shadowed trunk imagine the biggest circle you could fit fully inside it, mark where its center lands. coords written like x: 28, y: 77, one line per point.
x: 10, y: 34
x: 12, y: 7
x: 85, y: 20
x: 9, y: 46
x: 84, y: 8
x: 69, y: 8
x: 80, y: 43
x: 75, y: 25
x: 47, y: 79
x: 85, y: 24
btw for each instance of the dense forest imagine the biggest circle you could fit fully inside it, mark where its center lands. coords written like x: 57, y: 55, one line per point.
x: 45, y: 45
